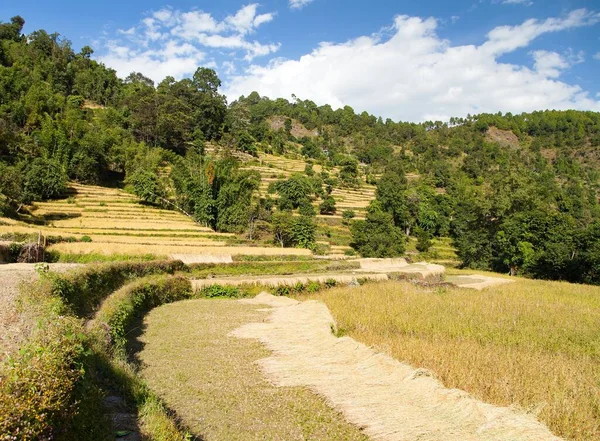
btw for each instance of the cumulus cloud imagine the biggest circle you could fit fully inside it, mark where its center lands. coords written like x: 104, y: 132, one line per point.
x: 173, y: 59
x: 415, y: 75
x: 298, y: 4
x: 549, y: 64
x: 173, y: 42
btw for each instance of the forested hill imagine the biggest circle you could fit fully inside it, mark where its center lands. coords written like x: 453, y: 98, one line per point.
x: 515, y: 192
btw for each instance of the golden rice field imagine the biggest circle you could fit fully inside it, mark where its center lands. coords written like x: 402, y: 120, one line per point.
x: 117, y: 223
x: 531, y: 344
x: 161, y: 249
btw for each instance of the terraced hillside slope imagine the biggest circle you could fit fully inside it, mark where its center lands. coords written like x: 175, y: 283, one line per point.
x: 109, y: 222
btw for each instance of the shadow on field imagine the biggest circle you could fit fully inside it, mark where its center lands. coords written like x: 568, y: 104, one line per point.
x: 133, y: 348
x: 134, y: 343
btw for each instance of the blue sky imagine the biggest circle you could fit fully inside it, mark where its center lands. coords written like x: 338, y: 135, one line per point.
x: 409, y: 60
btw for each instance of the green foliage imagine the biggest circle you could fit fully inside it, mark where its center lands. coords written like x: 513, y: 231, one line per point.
x: 423, y: 240
x: 289, y: 231
x: 146, y: 186
x: 293, y: 192
x: 348, y: 214
x: 47, y: 392
x: 44, y: 179
x: 213, y: 291
x: 216, y: 192
x: 307, y: 209
x: 377, y: 236
x: 83, y: 290
x: 327, y: 206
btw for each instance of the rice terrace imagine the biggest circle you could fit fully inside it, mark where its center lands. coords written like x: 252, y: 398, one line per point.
x: 177, y: 264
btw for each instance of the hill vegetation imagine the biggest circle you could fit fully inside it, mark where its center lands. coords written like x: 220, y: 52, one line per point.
x: 516, y: 193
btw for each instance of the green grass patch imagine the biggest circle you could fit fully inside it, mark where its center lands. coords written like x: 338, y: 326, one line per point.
x: 55, y: 256
x: 270, y: 267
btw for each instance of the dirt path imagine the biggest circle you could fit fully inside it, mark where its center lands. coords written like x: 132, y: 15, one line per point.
x: 14, y: 326
x: 389, y: 399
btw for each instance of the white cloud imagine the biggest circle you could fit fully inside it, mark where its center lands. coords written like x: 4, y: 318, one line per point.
x: 173, y: 59
x: 245, y: 20
x: 504, y: 39
x: 415, y: 75
x: 193, y: 23
x: 298, y: 4
x: 517, y: 2
x: 597, y: 56
x: 172, y: 42
x: 549, y: 64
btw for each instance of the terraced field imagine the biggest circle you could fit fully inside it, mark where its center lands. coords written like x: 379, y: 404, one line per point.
x: 273, y: 168
x: 116, y: 222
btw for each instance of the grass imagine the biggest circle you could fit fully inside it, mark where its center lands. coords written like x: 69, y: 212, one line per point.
x: 212, y: 382
x: 533, y: 344
x: 101, y: 258
x: 271, y: 267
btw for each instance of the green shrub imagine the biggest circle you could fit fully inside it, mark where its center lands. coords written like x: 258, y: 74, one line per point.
x: 121, y: 308
x: 85, y: 239
x: 109, y: 335
x: 44, y: 179
x: 45, y: 392
x: 330, y: 283
x: 313, y: 287
x: 220, y: 291
x: 299, y: 287
x: 327, y: 206
x: 282, y: 290
x: 85, y: 289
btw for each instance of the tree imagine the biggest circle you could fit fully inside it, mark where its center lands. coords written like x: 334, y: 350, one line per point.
x: 293, y: 192
x: 377, y: 236
x: 327, y: 206
x: 392, y: 194
x: 291, y: 231
x: 146, y: 186
x: 44, y: 179
x: 423, y: 240
x: 349, y: 171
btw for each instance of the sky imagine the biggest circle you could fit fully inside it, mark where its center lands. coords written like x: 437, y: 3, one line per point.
x: 404, y: 60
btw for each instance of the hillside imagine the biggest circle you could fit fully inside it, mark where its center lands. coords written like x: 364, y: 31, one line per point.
x: 514, y: 193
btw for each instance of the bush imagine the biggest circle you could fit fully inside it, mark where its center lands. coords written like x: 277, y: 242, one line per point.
x: 291, y: 231
x: 45, y: 392
x: 423, y: 240
x: 121, y: 308
x: 44, y: 179
x: 377, y: 236
x: 327, y: 206
x: 84, y: 290
x: 306, y: 209
x: 220, y: 291
x: 313, y: 287
x: 85, y: 239
x: 348, y: 215
x: 299, y: 287
x: 330, y: 283
x: 282, y: 290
